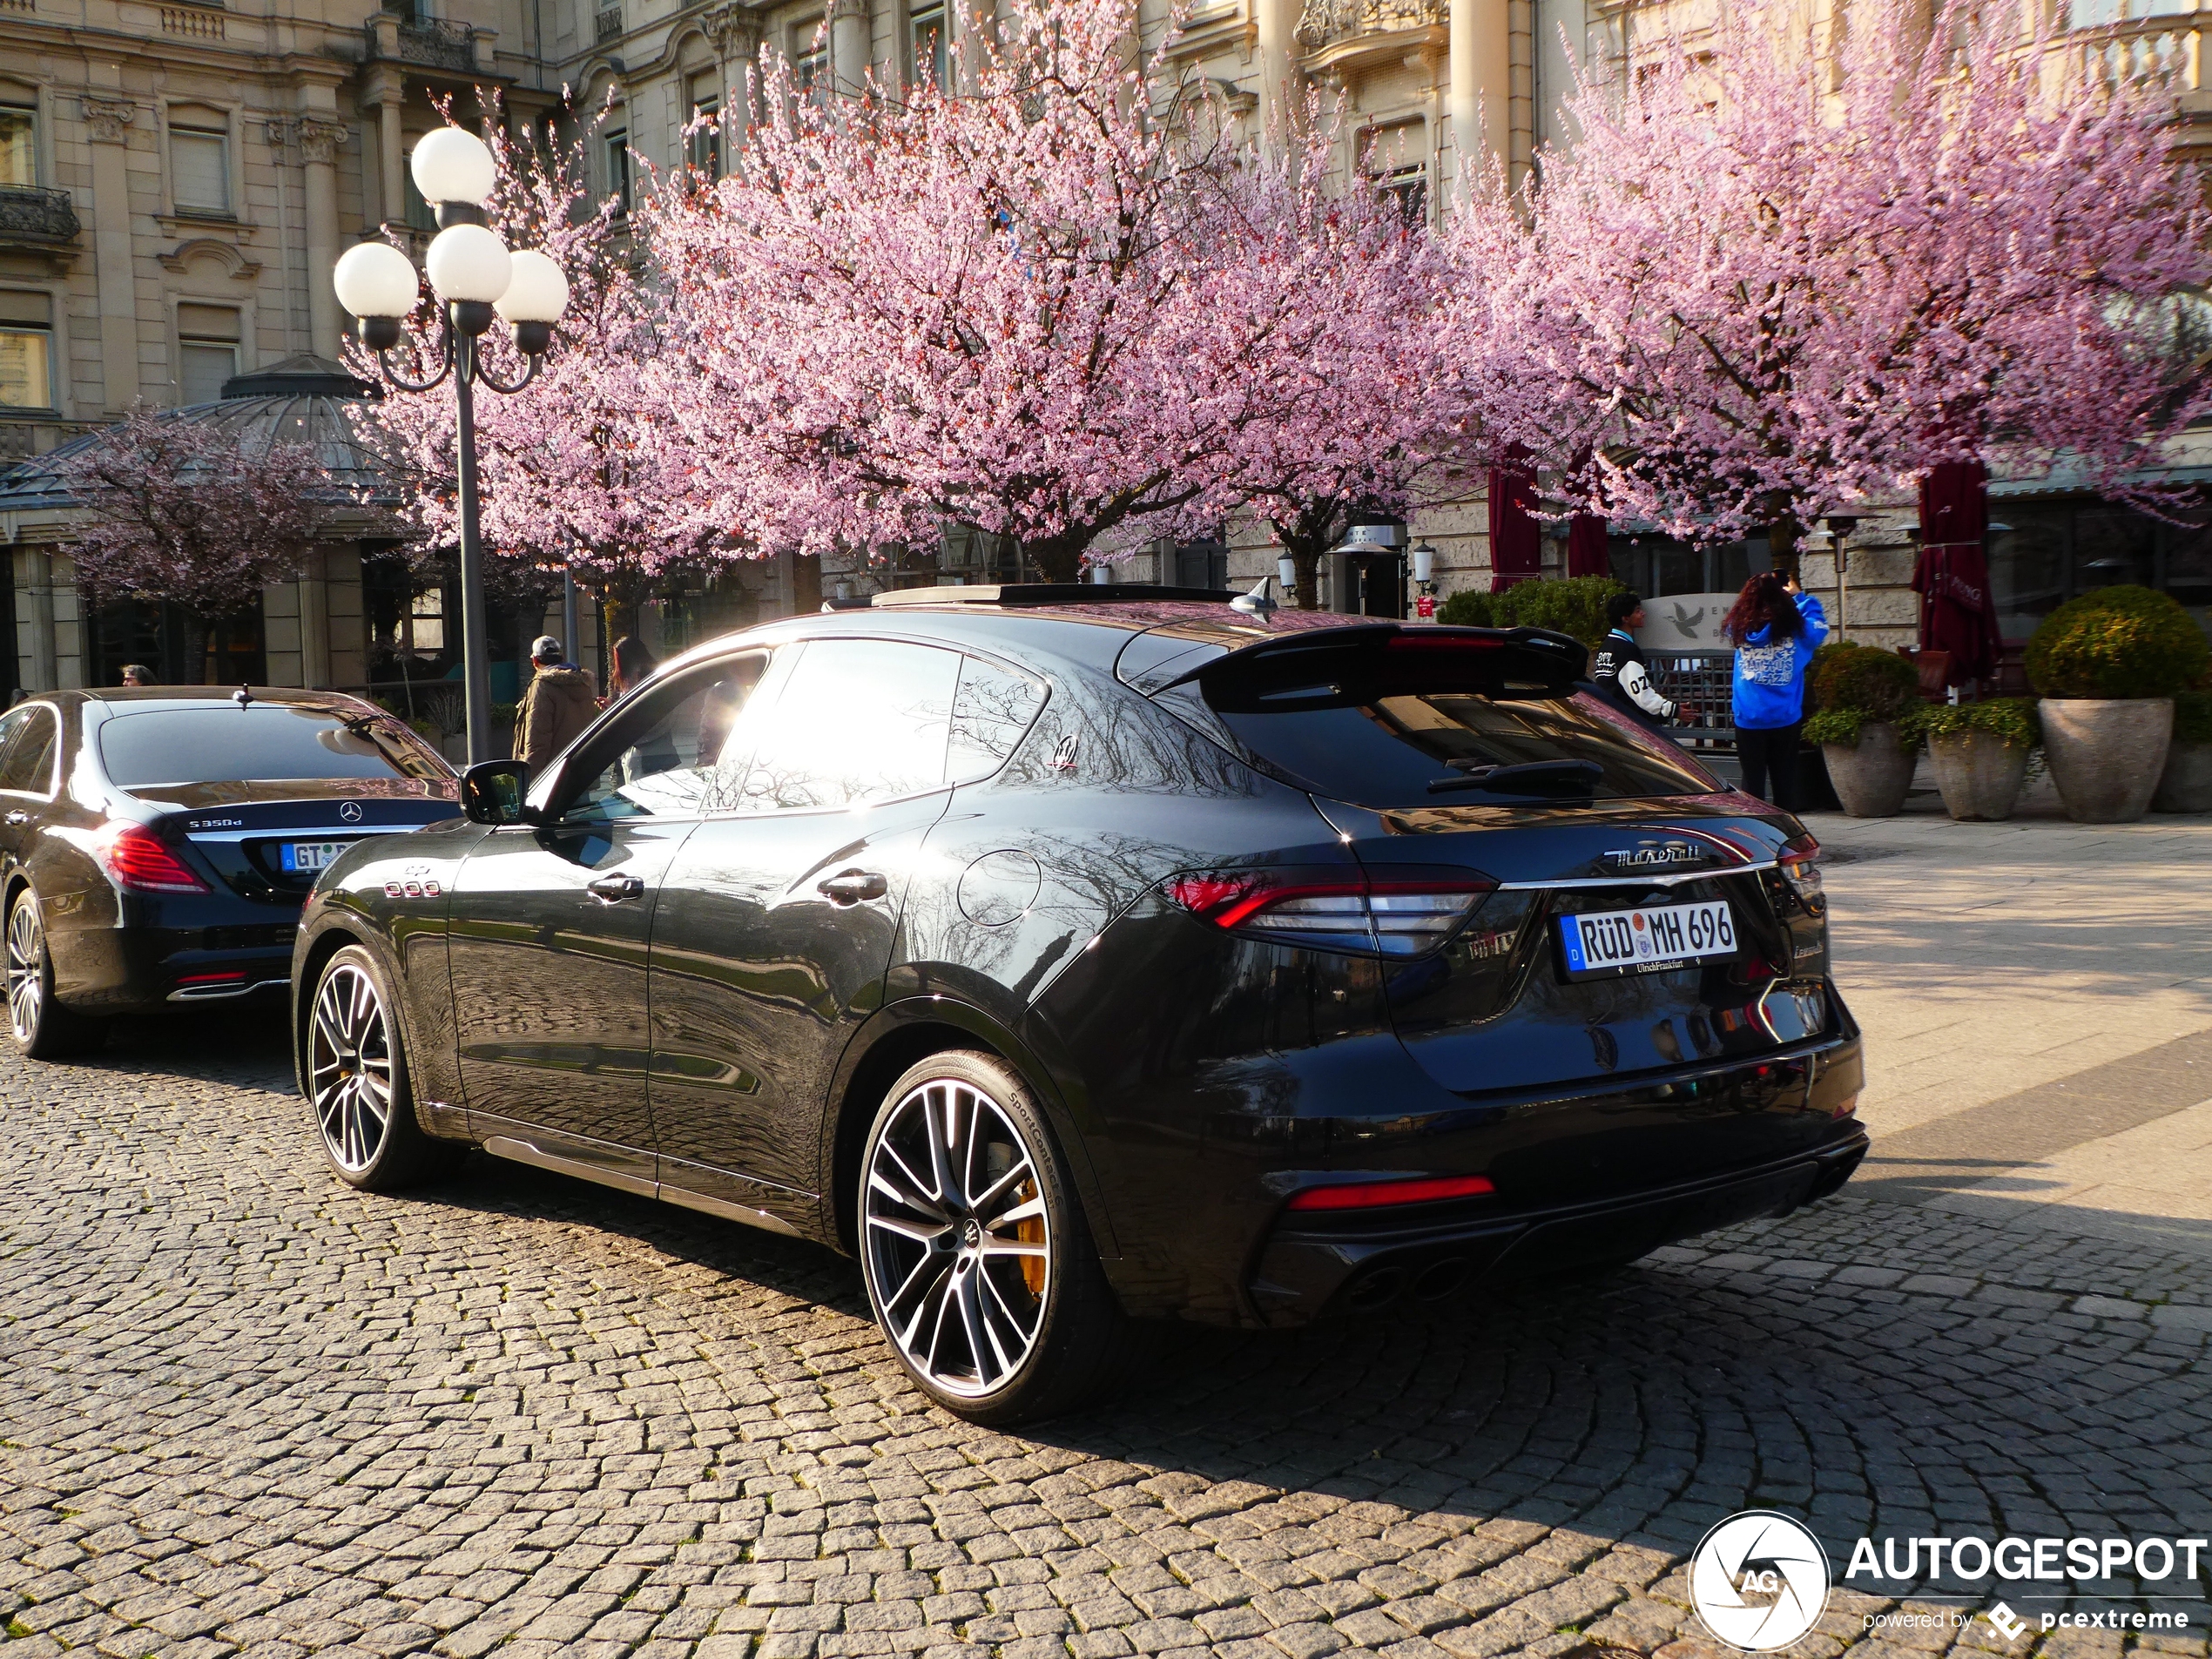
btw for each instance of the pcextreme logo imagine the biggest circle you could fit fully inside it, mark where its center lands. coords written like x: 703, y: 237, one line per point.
x: 1759, y: 1580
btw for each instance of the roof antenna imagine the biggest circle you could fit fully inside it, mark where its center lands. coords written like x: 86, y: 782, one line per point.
x: 1257, y: 603
x: 242, y: 696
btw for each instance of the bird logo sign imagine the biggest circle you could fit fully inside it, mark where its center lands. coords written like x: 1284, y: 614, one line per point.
x: 1759, y: 1580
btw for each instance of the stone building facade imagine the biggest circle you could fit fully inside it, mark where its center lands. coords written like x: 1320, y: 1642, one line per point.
x: 178, y: 176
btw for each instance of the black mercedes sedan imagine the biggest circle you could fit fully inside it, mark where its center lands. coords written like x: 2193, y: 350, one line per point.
x: 157, y: 845
x: 1074, y: 956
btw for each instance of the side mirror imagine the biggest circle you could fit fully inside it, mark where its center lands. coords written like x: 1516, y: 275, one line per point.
x: 492, y: 793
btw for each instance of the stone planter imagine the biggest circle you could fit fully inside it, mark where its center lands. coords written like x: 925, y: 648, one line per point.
x: 1978, y: 773
x: 1871, y: 776
x: 2186, y: 786
x: 2106, y: 753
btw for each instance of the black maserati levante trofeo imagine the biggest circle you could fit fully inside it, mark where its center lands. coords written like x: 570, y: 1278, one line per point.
x: 158, y: 845
x: 1073, y: 957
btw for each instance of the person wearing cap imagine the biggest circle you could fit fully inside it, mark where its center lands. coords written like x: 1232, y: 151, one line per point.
x: 1618, y: 666
x: 560, y: 703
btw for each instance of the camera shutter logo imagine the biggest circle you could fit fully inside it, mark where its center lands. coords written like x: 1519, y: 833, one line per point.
x: 1759, y: 1580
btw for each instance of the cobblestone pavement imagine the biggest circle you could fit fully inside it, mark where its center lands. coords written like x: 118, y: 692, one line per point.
x: 244, y: 1408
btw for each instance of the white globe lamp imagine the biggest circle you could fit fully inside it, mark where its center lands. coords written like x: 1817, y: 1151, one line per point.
x: 453, y: 164
x: 375, y: 279
x: 468, y: 265
x: 537, y: 290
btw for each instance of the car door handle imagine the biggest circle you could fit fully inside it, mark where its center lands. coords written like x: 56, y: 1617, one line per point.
x: 852, y: 886
x: 613, y: 889
x: 19, y: 816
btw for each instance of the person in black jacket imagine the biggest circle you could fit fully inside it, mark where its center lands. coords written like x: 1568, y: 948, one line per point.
x: 1618, y: 667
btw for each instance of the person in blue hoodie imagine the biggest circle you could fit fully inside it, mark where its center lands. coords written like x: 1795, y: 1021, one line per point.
x: 1776, y: 627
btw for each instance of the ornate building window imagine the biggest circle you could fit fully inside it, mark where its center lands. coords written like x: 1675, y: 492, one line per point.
x: 199, y: 160
x: 931, y: 41
x: 616, y: 151
x: 26, y: 351
x: 207, y: 343
x: 707, y: 142
x: 18, y: 142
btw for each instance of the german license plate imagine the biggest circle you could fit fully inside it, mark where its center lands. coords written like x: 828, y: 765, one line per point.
x: 1643, y: 942
x: 301, y: 858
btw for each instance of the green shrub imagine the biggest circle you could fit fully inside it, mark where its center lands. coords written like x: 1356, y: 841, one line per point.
x: 1469, y: 608
x: 1878, y: 684
x: 2012, y: 718
x: 2193, y: 717
x: 1845, y: 725
x: 1574, y: 605
x: 2122, y: 641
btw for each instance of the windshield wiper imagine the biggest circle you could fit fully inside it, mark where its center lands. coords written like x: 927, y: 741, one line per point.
x: 1534, y: 775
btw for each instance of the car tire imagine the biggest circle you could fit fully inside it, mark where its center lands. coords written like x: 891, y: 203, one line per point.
x: 358, y: 1092
x: 979, y: 1263
x: 42, y: 1028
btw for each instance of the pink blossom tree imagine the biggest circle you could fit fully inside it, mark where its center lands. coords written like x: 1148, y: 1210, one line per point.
x: 1762, y: 285
x: 194, y: 513
x: 995, y: 308
x: 578, y: 470
x: 1345, y: 303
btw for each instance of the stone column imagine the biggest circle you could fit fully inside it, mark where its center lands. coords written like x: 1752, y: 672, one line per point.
x: 314, y: 620
x: 736, y: 33
x: 384, y: 94
x: 110, y: 120
x: 319, y: 142
x: 971, y: 20
x: 848, y: 31
x: 1274, y: 20
x: 1481, y: 93
x: 38, y: 588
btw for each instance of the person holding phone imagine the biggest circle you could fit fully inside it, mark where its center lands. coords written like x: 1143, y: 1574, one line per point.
x: 1775, y: 626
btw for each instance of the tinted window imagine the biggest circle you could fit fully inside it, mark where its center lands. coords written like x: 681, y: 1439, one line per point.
x: 263, y: 742
x: 991, y: 713
x: 657, y: 758
x: 12, y: 725
x: 858, y: 721
x: 1383, y: 739
x: 29, y: 762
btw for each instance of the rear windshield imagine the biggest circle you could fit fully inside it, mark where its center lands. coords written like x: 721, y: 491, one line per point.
x: 263, y: 742
x: 1416, y: 739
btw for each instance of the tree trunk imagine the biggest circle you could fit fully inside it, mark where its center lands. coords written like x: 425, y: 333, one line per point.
x: 1782, y: 531
x: 806, y: 583
x: 1057, y: 561
x: 621, y: 611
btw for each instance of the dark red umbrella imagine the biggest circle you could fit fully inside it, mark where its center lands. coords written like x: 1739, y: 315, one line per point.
x: 1958, y: 610
x: 1516, y: 537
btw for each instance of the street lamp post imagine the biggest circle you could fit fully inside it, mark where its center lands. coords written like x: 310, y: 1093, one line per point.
x: 471, y: 270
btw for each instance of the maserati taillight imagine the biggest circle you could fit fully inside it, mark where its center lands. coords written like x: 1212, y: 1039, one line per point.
x: 1392, y: 914
x: 1375, y: 1195
x: 1800, y: 866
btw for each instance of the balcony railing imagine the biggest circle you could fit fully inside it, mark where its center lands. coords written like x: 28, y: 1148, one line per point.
x: 2164, y: 52
x: 1325, y: 23
x: 606, y: 25
x: 31, y: 214
x: 433, y: 43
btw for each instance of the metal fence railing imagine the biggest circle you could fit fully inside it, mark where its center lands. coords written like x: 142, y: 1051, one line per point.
x: 1704, y: 682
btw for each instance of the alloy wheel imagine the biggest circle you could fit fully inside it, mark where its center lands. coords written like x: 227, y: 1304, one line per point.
x: 26, y: 969
x: 959, y: 1245
x: 349, y: 1063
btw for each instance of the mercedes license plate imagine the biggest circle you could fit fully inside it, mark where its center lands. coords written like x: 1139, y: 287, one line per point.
x: 1643, y: 942
x: 304, y: 858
